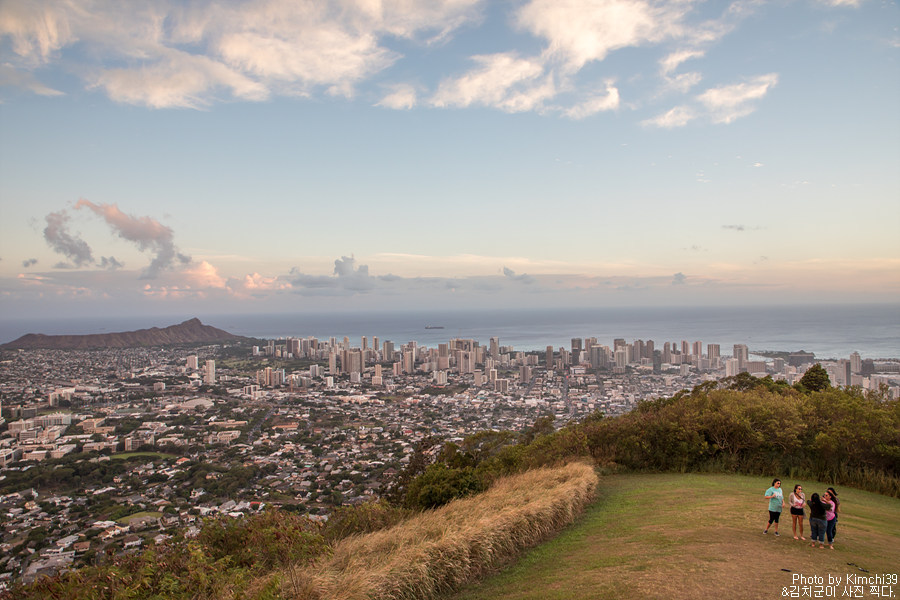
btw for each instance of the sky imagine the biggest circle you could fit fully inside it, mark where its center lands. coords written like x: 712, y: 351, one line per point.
x: 222, y: 156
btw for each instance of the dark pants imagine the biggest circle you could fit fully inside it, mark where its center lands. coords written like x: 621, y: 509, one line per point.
x: 817, y: 529
x: 831, y: 529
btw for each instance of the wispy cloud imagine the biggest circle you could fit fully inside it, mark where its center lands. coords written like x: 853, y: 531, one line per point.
x: 729, y: 102
x: 676, y: 117
x: 606, y: 100
x: 721, y: 104
x: 191, y: 55
x: 57, y: 235
x: 741, y: 227
x: 24, y: 80
x: 147, y: 233
x: 401, y: 96
x: 505, y: 81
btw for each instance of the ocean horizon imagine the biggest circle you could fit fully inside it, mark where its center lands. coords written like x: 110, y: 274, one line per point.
x: 830, y: 331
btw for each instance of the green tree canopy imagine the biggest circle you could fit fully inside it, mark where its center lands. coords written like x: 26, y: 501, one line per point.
x: 815, y: 379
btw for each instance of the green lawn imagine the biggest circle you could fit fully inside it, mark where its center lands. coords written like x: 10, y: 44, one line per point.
x: 127, y: 520
x: 152, y: 455
x: 695, y: 536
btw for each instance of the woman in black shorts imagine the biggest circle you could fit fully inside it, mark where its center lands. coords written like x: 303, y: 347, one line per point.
x: 797, y: 501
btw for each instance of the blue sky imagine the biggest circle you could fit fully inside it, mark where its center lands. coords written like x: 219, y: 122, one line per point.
x: 204, y: 157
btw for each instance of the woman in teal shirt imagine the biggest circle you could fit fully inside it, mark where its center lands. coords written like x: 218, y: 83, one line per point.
x: 776, y: 502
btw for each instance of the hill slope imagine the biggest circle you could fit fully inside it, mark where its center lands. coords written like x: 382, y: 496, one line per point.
x: 695, y: 536
x: 188, y: 332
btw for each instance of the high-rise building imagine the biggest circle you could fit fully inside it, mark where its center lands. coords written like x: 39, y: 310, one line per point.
x: 712, y: 351
x: 495, y: 347
x: 732, y: 367
x: 697, y: 350
x: 209, y: 376
x: 466, y: 362
x: 576, y: 346
x: 524, y: 374
x: 855, y: 363
x: 549, y: 358
x: 741, y: 354
x: 409, y: 361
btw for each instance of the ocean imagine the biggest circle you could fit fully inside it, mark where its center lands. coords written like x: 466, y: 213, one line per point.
x: 830, y: 331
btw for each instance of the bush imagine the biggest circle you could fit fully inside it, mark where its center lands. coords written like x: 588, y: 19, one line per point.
x: 365, y: 518
x: 440, y: 484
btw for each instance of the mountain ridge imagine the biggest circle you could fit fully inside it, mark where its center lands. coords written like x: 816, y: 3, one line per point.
x: 187, y: 332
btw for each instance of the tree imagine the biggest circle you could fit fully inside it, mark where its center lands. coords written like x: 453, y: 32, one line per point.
x: 815, y: 379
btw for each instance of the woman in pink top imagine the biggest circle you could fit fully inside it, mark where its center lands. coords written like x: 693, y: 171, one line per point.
x: 797, y: 500
x: 828, y: 501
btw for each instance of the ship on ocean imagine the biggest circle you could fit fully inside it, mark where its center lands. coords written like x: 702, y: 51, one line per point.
x: 434, y: 327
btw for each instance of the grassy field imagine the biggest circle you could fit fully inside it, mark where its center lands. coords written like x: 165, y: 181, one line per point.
x: 695, y: 536
x: 127, y: 520
x: 151, y: 455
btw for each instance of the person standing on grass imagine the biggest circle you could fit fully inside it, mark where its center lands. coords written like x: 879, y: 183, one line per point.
x: 776, y: 502
x: 817, y: 522
x: 831, y: 529
x: 830, y: 516
x: 797, y: 500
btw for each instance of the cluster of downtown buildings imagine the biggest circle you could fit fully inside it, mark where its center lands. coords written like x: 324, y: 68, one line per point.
x: 296, y: 422
x: 502, y: 368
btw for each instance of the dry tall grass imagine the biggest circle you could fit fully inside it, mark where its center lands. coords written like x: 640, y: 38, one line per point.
x: 437, y: 551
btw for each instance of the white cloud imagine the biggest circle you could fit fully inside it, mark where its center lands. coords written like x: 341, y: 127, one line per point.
x: 204, y: 275
x: 600, y: 102
x: 36, y: 30
x: 182, y: 81
x: 161, y: 55
x: 676, y: 117
x: 730, y: 102
x: 853, y: 3
x: 582, y: 31
x: 672, y: 61
x: 679, y: 82
x: 503, y: 81
x: 402, y: 96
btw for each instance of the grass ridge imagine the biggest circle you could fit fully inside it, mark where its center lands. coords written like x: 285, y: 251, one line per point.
x: 438, y: 551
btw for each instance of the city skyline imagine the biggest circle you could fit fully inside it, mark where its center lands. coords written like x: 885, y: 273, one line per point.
x: 281, y: 156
